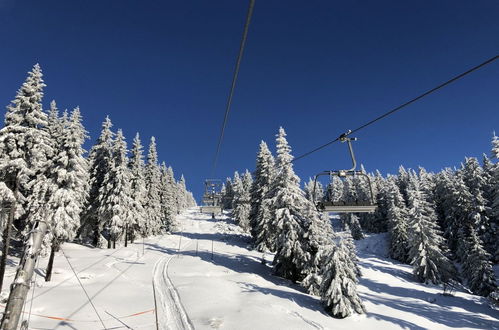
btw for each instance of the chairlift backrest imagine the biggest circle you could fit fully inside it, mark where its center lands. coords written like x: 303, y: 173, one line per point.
x: 364, y: 204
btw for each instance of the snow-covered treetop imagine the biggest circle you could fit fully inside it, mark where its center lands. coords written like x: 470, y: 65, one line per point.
x: 120, y: 150
x: 495, y: 146
x: 152, y: 155
x: 137, y: 160
x: 26, y: 109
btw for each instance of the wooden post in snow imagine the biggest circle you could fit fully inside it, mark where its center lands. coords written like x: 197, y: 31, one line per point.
x: 11, y: 207
x: 21, y: 284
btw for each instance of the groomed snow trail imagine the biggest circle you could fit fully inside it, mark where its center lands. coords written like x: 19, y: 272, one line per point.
x: 170, y: 311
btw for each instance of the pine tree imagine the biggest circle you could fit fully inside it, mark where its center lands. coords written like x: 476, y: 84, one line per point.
x: 397, y: 223
x: 335, y: 190
x: 115, y: 199
x: 351, y: 223
x: 187, y: 198
x: 241, y: 202
x: 494, y: 209
x: 348, y: 246
x: 68, y: 173
x: 152, y: 204
x: 138, y: 190
x: 318, y: 236
x: 228, y: 197
x: 100, y: 159
x: 476, y: 180
x: 426, y: 254
x: 314, y: 191
x: 26, y: 149
x: 339, y: 285
x: 167, y: 197
x: 289, y: 219
x: 378, y: 222
x: 477, y: 268
x: 263, y: 178
x: 24, y: 152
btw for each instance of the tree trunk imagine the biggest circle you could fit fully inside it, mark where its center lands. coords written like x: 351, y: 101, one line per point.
x: 95, y: 241
x: 50, y: 265
x: 126, y: 235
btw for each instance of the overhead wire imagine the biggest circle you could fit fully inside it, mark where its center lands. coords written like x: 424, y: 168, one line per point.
x: 233, y: 84
x: 400, y: 107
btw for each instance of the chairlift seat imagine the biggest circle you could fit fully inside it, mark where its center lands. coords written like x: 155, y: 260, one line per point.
x: 344, y: 207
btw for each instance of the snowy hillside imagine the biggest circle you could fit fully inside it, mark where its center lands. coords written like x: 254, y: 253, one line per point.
x: 230, y: 288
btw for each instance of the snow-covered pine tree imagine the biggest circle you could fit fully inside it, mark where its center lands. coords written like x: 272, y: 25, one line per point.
x: 264, y: 172
x: 488, y: 177
x: 397, y: 223
x: 68, y: 173
x: 426, y: 251
x: 152, y: 179
x: 242, y: 197
x: 348, y: 246
x: 476, y: 181
x: 288, y: 206
x: 314, y: 190
x: 176, y: 194
x: 24, y: 152
x: 100, y: 158
x: 138, y: 190
x: 378, y: 221
x: 247, y: 180
x: 405, y: 179
x: 318, y: 237
x: 25, y: 149
x: 228, y: 197
x: 477, y: 269
x: 167, y: 197
x: 352, y: 224
x: 339, y: 285
x: 494, y: 208
x: 363, y: 192
x: 237, y: 189
x: 115, y: 198
x: 187, y: 197
x: 335, y: 190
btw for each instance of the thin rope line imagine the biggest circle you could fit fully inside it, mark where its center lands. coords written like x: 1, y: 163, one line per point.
x: 401, y: 106
x: 88, y: 297
x: 233, y: 85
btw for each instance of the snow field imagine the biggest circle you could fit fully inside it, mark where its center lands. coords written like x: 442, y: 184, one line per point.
x: 233, y: 290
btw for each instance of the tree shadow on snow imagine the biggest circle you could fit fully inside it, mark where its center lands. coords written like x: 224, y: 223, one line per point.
x: 401, y: 323
x: 377, y: 265
x: 233, y: 239
x: 444, y: 310
x: 241, y: 263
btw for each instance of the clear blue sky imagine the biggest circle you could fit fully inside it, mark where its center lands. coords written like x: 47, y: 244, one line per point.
x: 317, y: 68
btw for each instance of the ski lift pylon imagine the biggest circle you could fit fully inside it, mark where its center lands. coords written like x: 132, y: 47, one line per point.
x: 328, y: 204
x: 212, y: 197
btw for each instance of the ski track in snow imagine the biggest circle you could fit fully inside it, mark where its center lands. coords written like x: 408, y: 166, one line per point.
x: 170, y: 311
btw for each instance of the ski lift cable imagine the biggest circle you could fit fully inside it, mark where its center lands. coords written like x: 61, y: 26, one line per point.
x: 400, y: 107
x: 233, y: 85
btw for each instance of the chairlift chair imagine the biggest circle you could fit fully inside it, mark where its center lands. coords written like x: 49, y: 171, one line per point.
x: 328, y: 204
x: 212, y: 197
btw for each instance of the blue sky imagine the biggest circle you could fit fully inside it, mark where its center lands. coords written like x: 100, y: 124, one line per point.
x: 317, y: 68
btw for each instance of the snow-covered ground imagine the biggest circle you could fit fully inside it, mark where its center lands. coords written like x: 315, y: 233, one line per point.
x: 230, y: 288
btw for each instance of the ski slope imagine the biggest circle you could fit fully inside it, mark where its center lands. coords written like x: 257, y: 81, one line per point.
x: 230, y: 288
